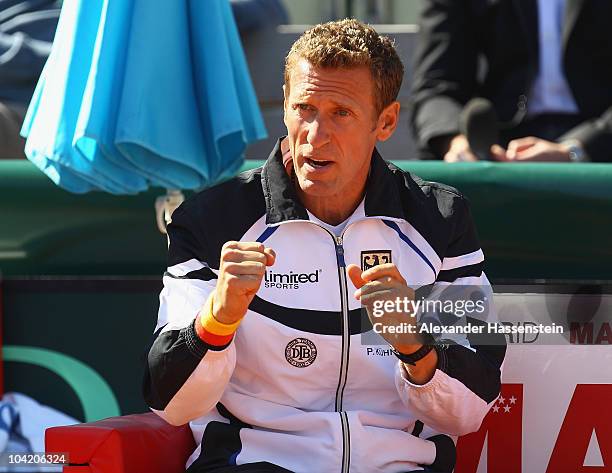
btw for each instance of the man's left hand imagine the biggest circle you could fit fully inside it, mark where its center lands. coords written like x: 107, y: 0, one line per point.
x: 385, y: 283
x: 531, y: 149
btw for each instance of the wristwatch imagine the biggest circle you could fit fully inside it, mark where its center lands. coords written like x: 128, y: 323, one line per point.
x: 412, y: 358
x: 416, y: 356
x: 577, y: 154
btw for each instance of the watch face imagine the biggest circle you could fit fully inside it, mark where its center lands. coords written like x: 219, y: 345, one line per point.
x: 576, y: 152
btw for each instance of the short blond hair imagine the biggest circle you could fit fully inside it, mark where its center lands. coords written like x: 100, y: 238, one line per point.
x: 349, y: 44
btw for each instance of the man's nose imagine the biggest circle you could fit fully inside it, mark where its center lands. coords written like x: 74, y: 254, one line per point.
x: 318, y: 133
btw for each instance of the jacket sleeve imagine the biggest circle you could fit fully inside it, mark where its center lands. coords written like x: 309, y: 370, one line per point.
x: 468, y: 378
x: 445, y: 65
x: 185, y: 377
x: 595, y: 136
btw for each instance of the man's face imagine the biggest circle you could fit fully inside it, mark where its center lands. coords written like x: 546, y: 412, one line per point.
x: 332, y: 128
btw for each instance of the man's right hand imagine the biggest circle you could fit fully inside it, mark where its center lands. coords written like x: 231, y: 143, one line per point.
x: 241, y: 270
x: 459, y: 150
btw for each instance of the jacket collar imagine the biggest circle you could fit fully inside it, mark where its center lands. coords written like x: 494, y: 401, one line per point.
x: 573, y: 8
x: 528, y: 13
x: 382, y: 195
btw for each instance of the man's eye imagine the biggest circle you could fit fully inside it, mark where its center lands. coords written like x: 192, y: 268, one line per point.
x: 342, y: 112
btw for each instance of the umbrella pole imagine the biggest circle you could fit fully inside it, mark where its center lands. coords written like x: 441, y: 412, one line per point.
x: 165, y: 205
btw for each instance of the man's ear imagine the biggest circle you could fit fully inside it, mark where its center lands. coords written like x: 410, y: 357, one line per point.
x: 285, y: 95
x: 387, y: 121
x: 285, y: 104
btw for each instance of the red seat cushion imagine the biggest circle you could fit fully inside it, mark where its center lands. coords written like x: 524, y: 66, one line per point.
x: 128, y: 444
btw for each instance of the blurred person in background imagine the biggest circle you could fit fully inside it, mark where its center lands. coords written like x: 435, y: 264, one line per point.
x: 253, y: 15
x: 27, y: 28
x: 545, y: 66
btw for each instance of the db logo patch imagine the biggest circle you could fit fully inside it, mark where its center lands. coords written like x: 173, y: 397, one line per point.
x: 371, y: 258
x: 301, y: 352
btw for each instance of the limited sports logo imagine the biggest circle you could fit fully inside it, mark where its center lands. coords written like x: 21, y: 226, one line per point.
x: 290, y: 280
x: 371, y: 258
x: 301, y: 352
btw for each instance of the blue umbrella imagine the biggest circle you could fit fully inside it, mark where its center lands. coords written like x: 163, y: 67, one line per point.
x: 143, y: 93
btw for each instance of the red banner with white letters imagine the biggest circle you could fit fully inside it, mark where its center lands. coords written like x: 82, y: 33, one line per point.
x: 577, y: 439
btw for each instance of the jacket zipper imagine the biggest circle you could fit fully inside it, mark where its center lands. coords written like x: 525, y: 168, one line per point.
x: 346, y: 447
x: 346, y: 343
x: 345, y: 322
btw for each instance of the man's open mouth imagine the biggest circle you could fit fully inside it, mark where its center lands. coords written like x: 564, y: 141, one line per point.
x: 317, y: 163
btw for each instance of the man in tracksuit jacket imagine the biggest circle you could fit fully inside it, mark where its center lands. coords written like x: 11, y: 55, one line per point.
x: 260, y: 344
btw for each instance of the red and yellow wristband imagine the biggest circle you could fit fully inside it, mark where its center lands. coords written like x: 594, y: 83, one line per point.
x: 210, y: 330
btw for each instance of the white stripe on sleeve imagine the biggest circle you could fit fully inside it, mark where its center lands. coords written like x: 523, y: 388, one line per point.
x: 464, y: 260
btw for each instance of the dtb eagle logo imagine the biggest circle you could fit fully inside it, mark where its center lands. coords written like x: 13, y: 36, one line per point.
x: 371, y: 258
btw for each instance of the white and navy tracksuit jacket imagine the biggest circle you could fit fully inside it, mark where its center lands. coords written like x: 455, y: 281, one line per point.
x: 297, y: 387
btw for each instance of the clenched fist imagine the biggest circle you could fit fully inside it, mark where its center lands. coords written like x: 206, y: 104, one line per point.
x: 385, y: 283
x: 241, y: 270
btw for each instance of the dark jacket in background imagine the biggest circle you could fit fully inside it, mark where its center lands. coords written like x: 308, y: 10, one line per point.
x: 252, y: 15
x: 455, y: 37
x: 27, y: 28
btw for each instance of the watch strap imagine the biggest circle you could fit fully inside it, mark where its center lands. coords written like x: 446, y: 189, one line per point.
x: 412, y: 358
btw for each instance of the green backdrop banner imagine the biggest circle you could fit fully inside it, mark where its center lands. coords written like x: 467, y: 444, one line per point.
x: 536, y: 221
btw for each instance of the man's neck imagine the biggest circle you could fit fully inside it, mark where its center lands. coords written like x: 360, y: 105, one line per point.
x: 332, y: 210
